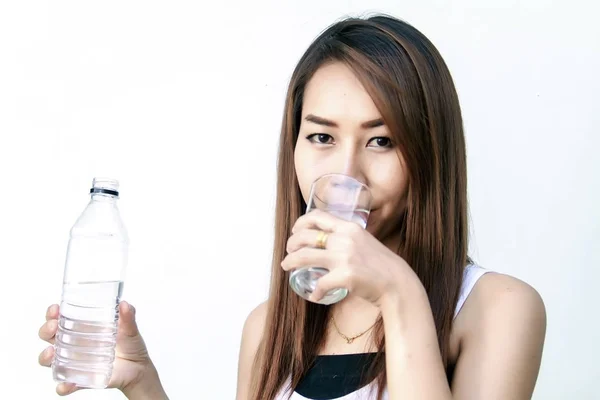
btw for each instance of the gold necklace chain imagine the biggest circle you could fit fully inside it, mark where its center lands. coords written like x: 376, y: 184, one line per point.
x: 349, y: 340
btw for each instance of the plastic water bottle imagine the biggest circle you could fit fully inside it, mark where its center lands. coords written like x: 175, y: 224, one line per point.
x: 92, y: 288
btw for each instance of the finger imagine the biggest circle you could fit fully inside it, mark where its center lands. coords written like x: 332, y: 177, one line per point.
x: 307, y: 257
x: 48, y: 331
x: 338, y: 278
x: 46, y: 356
x: 127, y: 324
x: 52, y: 312
x: 304, y: 238
x: 64, y: 389
x: 317, y: 219
x: 325, y: 221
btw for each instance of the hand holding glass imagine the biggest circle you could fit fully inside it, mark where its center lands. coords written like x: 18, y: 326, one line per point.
x: 346, y: 198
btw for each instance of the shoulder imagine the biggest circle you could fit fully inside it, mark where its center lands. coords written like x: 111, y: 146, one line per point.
x: 254, y: 324
x: 501, y: 330
x: 251, y: 337
x: 502, y: 298
x: 498, y: 299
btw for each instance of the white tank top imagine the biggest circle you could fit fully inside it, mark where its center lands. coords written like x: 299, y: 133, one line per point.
x: 471, y: 275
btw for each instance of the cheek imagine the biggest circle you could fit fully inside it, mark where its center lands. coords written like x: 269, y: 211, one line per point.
x: 392, y: 185
x: 302, y: 165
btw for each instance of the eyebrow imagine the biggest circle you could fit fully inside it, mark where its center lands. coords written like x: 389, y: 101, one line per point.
x: 374, y: 123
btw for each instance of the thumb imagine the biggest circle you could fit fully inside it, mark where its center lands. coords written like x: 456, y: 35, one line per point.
x: 127, y: 324
x: 332, y: 280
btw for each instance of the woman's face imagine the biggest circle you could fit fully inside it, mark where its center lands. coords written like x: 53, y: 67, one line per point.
x: 342, y: 132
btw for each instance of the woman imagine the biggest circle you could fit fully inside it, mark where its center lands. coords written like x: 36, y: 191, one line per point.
x: 372, y: 98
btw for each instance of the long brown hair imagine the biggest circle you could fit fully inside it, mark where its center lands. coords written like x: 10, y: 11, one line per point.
x: 413, y: 90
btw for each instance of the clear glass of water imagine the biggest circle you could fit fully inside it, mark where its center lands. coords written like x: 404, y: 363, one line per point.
x: 346, y: 198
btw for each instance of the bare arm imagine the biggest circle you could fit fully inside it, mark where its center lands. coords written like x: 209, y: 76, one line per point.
x: 500, y: 352
x: 251, y: 336
x: 413, y: 361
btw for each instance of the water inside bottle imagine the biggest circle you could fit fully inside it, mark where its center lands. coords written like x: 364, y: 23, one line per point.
x: 86, y: 336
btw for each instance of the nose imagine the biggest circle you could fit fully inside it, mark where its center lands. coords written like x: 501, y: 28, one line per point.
x: 349, y: 163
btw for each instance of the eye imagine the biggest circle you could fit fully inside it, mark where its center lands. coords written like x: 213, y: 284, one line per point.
x: 381, y: 141
x: 320, y: 138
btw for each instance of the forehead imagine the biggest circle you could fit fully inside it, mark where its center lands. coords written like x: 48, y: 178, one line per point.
x: 335, y: 93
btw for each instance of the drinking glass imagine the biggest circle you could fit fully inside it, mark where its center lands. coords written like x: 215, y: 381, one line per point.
x: 346, y: 198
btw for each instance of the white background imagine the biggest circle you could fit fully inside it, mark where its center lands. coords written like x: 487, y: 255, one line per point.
x: 182, y: 102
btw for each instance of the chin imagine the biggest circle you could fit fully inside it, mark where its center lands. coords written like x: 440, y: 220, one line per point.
x: 382, y: 229
x: 374, y: 227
